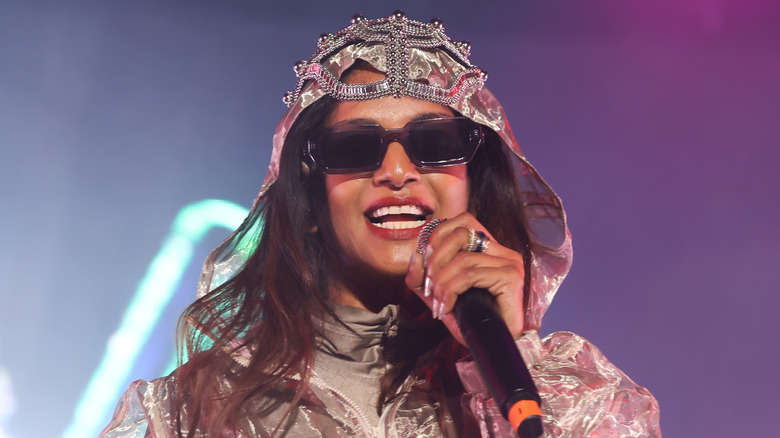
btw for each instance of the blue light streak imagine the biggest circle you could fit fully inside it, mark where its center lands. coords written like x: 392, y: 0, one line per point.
x: 142, y: 314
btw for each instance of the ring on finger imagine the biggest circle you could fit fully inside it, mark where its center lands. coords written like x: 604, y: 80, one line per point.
x: 478, y: 241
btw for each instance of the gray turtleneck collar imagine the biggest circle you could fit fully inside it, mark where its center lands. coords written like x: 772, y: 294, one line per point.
x: 351, y: 359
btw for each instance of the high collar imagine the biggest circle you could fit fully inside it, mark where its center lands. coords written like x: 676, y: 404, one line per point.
x: 350, y: 353
x: 358, y: 336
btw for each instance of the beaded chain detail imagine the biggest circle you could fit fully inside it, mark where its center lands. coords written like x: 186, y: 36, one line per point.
x: 425, y: 234
x: 398, y: 34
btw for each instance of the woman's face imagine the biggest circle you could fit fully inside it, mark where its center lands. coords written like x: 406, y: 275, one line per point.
x: 376, y: 215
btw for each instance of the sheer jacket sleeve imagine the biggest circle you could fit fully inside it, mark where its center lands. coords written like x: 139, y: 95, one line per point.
x: 583, y: 393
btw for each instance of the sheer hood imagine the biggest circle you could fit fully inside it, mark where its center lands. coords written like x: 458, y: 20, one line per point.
x: 419, y: 61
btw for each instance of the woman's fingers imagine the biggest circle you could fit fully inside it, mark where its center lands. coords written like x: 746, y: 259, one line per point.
x: 447, y: 269
x: 415, y: 275
x: 501, y: 279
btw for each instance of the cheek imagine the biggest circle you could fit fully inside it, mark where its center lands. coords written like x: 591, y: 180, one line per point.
x: 342, y: 204
x: 453, y: 191
x: 338, y: 193
x: 458, y: 197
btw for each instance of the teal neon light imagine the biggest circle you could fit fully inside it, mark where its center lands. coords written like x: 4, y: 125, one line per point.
x: 152, y: 295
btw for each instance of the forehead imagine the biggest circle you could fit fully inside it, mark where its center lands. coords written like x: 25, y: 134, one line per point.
x: 388, y: 111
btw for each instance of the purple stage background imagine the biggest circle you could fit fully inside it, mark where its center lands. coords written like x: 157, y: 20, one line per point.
x: 658, y: 123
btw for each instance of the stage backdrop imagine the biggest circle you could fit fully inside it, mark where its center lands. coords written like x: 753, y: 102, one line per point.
x: 134, y: 134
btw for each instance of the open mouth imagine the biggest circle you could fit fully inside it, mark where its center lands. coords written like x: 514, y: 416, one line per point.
x: 398, y: 217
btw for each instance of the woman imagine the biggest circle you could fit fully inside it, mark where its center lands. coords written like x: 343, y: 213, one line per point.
x: 321, y: 316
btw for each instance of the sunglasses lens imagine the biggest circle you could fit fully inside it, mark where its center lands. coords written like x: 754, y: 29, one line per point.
x: 429, y: 143
x: 349, y: 151
x: 442, y: 143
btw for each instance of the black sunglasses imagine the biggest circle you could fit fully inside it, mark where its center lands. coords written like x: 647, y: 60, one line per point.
x: 439, y: 142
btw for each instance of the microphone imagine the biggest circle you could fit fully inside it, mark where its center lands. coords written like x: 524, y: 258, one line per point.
x: 498, y: 360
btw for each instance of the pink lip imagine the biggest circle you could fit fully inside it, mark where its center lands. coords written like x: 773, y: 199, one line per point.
x: 391, y: 234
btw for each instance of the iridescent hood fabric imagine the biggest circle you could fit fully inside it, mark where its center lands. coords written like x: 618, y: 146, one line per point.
x: 419, y: 61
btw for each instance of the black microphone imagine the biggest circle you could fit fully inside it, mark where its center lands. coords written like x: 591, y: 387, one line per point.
x: 498, y: 360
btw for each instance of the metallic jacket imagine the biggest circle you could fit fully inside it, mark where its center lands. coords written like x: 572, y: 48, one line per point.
x: 583, y: 394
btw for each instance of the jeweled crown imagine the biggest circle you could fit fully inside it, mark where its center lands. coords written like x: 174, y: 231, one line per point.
x: 398, y: 34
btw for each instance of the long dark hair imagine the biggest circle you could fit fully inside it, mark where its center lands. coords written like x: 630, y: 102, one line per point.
x: 268, y: 307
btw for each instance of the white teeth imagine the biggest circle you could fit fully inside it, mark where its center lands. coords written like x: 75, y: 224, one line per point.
x: 397, y: 209
x: 399, y: 225
x: 412, y: 210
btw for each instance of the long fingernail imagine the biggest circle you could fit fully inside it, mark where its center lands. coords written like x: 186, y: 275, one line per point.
x: 426, y: 256
x: 441, y: 313
x: 435, y: 308
x: 427, y: 286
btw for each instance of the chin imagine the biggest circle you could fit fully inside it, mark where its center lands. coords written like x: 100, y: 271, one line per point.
x: 392, y: 265
x: 391, y: 269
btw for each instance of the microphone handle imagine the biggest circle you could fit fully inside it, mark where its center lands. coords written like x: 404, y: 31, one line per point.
x: 498, y: 360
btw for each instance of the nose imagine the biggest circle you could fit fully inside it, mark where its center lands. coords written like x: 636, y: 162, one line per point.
x: 396, y: 169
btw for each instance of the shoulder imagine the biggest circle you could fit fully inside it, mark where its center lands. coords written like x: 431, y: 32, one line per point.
x: 141, y: 409
x: 582, y: 392
x: 569, y: 354
x: 576, y: 381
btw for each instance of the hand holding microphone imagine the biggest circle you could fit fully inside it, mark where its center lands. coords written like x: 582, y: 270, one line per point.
x: 476, y: 294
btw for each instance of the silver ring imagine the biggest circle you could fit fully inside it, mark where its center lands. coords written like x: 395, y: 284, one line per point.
x: 425, y: 234
x: 478, y: 241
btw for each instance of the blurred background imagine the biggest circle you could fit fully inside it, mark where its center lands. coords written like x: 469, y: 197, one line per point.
x: 656, y: 121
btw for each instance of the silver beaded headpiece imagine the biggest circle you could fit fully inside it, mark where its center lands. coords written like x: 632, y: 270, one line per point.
x: 418, y: 59
x: 396, y: 36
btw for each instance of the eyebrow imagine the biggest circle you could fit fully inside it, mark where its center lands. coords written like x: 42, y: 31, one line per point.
x: 368, y: 121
